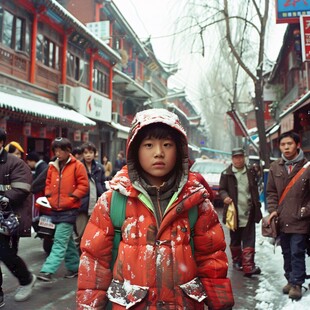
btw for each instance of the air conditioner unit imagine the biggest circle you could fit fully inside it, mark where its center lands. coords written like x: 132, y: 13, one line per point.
x: 115, y: 117
x: 65, y: 95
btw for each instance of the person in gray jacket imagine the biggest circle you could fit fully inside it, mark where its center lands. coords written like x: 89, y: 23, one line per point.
x: 238, y: 184
x: 293, y: 212
x: 15, y: 183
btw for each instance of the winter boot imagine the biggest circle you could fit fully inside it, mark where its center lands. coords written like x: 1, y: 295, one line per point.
x: 286, y: 288
x: 248, y: 264
x: 236, y: 255
x: 295, y: 292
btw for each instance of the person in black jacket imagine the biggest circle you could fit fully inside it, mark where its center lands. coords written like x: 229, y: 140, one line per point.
x: 15, y: 182
x: 36, y: 164
x: 96, y: 178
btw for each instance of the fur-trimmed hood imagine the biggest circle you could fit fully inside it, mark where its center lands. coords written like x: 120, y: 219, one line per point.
x: 152, y: 116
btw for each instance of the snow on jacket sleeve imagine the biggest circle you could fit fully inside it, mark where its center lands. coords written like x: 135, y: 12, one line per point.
x: 210, y: 244
x: 211, y: 259
x: 94, y: 271
x: 96, y: 246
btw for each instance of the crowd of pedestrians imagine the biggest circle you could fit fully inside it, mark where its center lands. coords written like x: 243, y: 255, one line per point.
x: 72, y: 182
x: 143, y: 231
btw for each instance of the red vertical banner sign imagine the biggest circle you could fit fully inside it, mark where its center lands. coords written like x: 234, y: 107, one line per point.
x: 305, y: 37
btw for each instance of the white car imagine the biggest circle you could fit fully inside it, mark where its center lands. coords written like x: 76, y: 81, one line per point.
x: 211, y: 170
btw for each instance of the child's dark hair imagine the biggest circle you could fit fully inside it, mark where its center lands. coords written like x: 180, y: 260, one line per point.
x: 290, y: 134
x: 88, y: 146
x: 62, y: 143
x: 158, y: 131
x: 77, y: 151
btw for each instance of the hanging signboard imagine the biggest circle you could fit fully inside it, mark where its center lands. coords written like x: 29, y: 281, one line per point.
x: 305, y: 37
x: 289, y: 11
x: 27, y: 129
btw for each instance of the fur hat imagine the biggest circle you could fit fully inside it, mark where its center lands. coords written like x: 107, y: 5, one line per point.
x: 16, y: 145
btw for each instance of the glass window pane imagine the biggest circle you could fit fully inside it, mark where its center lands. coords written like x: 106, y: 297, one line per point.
x: 45, y: 52
x: 28, y: 38
x: 77, y: 69
x: 51, y: 55
x: 57, y: 64
x: 40, y: 39
x: 19, y: 37
x: 1, y: 22
x: 70, y: 65
x: 7, y: 29
x: 95, y: 79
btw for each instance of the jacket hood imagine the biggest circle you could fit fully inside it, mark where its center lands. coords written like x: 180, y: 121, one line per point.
x: 152, y: 116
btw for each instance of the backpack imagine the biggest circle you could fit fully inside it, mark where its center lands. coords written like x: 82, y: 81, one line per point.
x: 118, y: 213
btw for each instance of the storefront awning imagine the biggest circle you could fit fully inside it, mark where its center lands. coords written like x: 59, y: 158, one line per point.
x: 296, y: 105
x: 41, y: 110
x: 122, y: 131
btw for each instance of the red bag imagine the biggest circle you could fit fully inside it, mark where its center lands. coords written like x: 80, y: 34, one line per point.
x: 219, y: 291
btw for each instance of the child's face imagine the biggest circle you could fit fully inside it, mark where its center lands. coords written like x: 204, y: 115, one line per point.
x: 157, y: 158
x: 61, y: 154
x: 88, y: 155
x: 17, y: 153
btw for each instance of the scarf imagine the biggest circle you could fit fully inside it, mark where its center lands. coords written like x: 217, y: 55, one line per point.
x: 293, y: 161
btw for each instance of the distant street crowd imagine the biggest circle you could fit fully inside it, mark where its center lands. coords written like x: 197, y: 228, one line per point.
x: 142, y: 231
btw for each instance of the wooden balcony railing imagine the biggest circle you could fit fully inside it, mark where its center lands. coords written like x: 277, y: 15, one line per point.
x: 14, y: 63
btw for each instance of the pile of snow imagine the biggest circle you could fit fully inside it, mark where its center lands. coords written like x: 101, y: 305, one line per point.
x: 270, y: 259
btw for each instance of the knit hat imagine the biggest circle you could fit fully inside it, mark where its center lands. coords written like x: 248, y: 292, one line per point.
x: 16, y: 144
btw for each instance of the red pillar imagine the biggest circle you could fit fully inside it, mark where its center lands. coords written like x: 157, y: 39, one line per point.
x: 33, y: 48
x: 64, y: 61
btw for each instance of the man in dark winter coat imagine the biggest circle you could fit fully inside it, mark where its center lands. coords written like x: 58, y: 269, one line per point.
x: 293, y: 212
x: 15, y: 182
x: 238, y: 184
x: 96, y: 179
x: 34, y: 162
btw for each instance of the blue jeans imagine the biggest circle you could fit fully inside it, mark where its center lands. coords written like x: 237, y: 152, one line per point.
x: 64, y: 248
x: 294, y: 255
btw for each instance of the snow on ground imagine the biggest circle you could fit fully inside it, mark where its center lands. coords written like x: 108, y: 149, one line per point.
x: 270, y: 259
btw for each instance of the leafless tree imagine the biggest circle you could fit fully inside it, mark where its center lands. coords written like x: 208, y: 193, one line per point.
x: 241, y: 46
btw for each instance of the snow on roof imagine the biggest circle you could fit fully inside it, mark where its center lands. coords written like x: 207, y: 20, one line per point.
x: 42, y: 109
x: 120, y: 127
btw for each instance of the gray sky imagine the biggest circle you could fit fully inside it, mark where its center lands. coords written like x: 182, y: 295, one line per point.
x: 150, y: 18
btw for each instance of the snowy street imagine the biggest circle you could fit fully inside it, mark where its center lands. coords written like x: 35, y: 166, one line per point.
x: 264, y: 292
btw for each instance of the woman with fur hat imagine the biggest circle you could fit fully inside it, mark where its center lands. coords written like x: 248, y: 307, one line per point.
x: 15, y: 148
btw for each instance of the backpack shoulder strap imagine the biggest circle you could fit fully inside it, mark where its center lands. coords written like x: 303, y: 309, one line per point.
x: 117, y: 215
x: 192, y: 216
